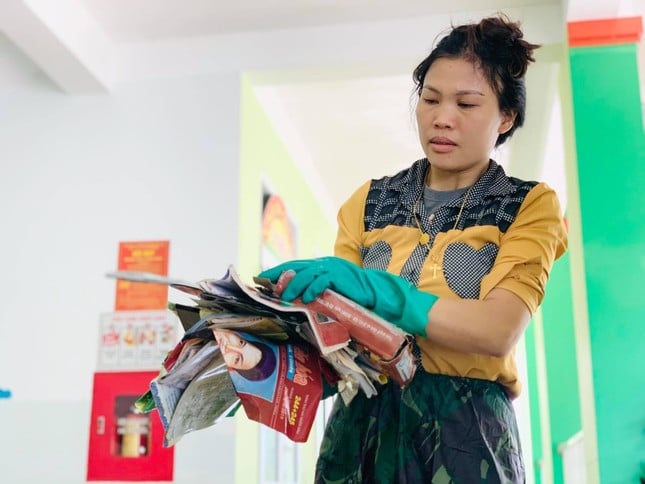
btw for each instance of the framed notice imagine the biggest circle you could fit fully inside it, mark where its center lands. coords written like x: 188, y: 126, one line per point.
x: 136, y: 340
x: 150, y: 256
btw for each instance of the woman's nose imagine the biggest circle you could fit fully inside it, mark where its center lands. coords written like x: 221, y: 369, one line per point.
x: 442, y: 124
x: 443, y: 117
x: 232, y: 350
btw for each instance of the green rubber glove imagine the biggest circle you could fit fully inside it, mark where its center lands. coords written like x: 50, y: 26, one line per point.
x: 391, y: 297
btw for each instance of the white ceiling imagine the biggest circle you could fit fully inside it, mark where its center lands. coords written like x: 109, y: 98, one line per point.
x: 136, y: 20
x: 334, y: 75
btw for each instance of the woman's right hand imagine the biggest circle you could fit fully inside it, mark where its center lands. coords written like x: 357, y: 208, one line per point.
x: 391, y: 297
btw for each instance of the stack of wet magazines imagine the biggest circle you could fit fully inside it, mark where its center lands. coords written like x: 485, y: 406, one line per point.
x: 244, y: 346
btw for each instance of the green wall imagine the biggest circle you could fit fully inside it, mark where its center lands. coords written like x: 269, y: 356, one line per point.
x: 550, y: 338
x: 609, y: 140
x: 534, y: 401
x: 560, y: 358
x: 263, y: 157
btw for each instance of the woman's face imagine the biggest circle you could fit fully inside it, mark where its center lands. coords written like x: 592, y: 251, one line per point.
x: 458, y: 117
x: 238, y: 353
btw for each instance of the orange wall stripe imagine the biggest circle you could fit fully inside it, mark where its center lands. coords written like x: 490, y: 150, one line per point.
x: 625, y: 30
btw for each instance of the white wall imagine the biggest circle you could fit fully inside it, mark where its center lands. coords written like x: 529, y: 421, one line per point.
x: 149, y: 161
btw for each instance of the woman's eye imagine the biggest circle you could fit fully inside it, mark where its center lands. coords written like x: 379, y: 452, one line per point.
x: 466, y: 105
x: 430, y: 101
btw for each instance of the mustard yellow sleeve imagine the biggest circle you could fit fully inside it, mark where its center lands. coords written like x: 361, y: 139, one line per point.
x: 351, y: 226
x: 529, y: 247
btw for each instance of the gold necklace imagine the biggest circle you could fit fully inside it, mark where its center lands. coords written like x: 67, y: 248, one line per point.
x: 424, y: 237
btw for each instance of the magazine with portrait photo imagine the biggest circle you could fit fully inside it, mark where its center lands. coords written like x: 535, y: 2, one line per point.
x: 279, y: 357
x: 279, y: 384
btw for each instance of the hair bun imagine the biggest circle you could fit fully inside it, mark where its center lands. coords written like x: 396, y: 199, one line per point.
x: 500, y: 41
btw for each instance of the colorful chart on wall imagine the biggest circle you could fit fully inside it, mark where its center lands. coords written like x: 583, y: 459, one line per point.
x: 135, y: 340
x: 278, y: 231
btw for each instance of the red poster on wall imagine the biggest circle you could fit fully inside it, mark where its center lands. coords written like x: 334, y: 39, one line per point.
x: 148, y: 257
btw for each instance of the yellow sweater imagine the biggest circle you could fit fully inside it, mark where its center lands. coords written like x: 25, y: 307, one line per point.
x: 508, y: 236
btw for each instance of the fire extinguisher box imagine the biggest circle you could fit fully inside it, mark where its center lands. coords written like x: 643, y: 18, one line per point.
x: 125, y: 445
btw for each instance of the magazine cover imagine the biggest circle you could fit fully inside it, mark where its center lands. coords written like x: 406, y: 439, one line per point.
x: 279, y: 384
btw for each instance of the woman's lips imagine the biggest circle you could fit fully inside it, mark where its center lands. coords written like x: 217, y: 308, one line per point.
x: 441, y: 144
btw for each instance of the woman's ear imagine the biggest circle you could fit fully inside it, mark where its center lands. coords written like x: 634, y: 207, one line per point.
x: 507, y: 122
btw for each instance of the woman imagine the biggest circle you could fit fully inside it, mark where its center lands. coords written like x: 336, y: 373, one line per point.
x: 251, y: 360
x: 457, y: 253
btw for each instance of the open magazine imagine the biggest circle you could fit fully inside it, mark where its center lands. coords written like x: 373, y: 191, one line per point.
x: 244, y: 346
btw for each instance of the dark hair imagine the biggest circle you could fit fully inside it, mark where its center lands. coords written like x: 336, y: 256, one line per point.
x: 265, y: 366
x: 495, y: 45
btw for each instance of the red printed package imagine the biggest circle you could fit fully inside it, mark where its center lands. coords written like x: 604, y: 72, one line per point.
x: 387, y: 348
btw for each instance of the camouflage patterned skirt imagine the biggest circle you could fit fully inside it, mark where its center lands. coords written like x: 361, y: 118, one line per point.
x: 438, y: 430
